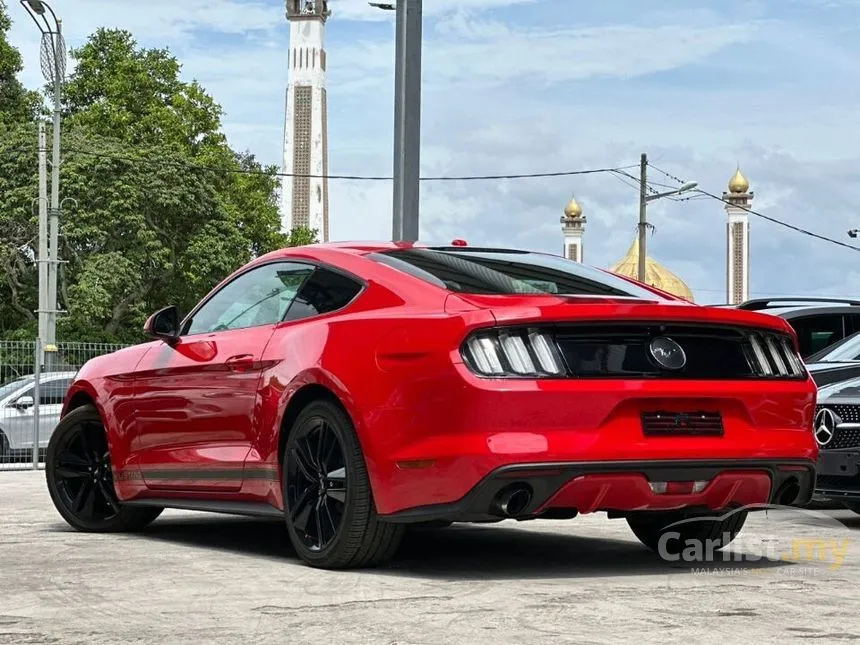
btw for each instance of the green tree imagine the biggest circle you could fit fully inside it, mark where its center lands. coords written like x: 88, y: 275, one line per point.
x: 16, y: 103
x: 18, y: 135
x: 156, y: 213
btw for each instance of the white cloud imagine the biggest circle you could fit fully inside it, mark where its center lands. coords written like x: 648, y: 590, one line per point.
x: 565, y: 90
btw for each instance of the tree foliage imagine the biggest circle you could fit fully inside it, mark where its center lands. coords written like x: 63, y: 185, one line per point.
x: 16, y: 103
x: 157, y: 208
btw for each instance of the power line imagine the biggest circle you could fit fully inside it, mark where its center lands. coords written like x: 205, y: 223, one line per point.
x: 182, y: 164
x: 773, y: 220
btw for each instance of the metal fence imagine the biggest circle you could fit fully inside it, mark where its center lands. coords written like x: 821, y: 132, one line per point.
x: 33, y: 385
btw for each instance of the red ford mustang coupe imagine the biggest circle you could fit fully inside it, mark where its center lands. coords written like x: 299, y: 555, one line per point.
x: 357, y: 389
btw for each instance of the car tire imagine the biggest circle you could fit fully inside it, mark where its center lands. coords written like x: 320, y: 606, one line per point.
x: 5, y: 452
x: 80, y: 477
x: 716, y: 530
x: 328, y: 503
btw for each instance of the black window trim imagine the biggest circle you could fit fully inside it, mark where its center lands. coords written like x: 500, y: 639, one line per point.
x: 361, y: 282
x: 386, y: 256
x: 314, y: 265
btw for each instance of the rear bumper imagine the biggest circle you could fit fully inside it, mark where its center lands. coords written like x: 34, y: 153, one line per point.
x: 838, y: 476
x: 625, y: 486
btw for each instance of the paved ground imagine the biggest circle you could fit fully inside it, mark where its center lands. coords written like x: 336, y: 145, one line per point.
x: 197, y: 578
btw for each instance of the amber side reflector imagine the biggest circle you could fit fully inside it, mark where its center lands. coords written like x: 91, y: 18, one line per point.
x: 418, y: 463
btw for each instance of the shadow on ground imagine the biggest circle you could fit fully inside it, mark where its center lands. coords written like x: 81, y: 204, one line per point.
x: 461, y: 552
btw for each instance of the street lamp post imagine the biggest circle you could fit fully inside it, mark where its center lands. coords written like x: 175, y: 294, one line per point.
x: 644, y: 200
x: 53, y: 60
x: 407, y: 117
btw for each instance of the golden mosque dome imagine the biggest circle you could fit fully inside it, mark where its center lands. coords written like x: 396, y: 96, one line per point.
x: 573, y: 210
x: 655, y: 273
x: 739, y: 184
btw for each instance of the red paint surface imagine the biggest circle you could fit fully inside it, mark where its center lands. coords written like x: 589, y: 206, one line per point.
x: 632, y: 492
x: 392, y: 359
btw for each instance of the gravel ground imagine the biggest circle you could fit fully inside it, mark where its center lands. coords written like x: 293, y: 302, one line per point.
x: 208, y: 579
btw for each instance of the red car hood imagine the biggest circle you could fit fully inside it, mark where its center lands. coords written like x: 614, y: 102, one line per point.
x: 526, y: 308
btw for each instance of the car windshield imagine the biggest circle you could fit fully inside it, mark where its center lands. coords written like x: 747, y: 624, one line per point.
x: 846, y: 350
x: 11, y: 386
x: 501, y: 272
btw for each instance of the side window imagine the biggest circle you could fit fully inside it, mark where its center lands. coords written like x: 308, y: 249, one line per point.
x: 31, y: 392
x: 853, y: 323
x: 261, y: 296
x: 325, y: 291
x: 53, y: 392
x: 817, y: 332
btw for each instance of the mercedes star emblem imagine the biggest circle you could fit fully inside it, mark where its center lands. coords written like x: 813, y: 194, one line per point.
x: 825, y: 426
x: 668, y: 354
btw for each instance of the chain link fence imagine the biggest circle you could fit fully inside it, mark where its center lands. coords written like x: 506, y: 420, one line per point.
x: 33, y: 386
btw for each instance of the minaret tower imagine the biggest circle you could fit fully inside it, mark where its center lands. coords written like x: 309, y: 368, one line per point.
x: 304, y: 196
x: 738, y: 200
x: 573, y: 226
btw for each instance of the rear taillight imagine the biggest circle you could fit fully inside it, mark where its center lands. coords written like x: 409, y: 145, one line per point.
x: 774, y: 355
x: 513, y: 352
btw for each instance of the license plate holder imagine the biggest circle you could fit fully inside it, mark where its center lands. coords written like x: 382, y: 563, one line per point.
x: 840, y: 464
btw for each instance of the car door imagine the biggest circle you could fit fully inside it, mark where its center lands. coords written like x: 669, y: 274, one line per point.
x: 16, y: 414
x: 52, y: 393
x: 195, y: 400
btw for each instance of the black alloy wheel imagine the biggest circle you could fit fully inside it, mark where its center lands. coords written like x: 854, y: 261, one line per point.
x: 316, y: 484
x: 80, y: 477
x: 328, y: 504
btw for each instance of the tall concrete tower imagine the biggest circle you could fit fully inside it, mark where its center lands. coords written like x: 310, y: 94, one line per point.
x: 573, y: 226
x: 738, y: 200
x: 304, y: 197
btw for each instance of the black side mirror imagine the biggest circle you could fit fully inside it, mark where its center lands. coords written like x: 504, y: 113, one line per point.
x: 164, y: 324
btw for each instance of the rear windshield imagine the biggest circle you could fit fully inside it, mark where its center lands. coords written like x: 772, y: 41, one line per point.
x: 494, y: 272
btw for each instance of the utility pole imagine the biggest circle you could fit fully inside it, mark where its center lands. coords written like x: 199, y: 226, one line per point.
x: 53, y: 62
x: 407, y: 120
x: 42, y: 258
x: 54, y: 223
x: 643, y: 215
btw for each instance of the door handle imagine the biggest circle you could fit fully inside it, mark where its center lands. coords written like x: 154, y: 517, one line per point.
x: 240, y: 362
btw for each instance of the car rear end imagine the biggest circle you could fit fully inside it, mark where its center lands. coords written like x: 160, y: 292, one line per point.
x: 837, y: 431
x: 610, y: 399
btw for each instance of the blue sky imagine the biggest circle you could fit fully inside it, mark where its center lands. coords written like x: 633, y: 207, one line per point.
x: 517, y: 86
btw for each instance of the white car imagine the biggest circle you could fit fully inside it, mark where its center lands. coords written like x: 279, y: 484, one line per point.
x: 17, y: 416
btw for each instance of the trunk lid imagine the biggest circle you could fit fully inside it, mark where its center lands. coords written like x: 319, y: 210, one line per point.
x: 508, y: 309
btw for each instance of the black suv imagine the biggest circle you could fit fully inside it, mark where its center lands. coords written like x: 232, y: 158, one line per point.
x: 819, y: 322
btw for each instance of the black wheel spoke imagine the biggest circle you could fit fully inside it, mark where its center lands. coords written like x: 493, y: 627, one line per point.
x: 303, y: 516
x: 306, y: 468
x: 86, y: 450
x: 303, y: 502
x: 108, y: 496
x: 316, y: 484
x: 330, y: 523
x: 80, y: 498
x: 83, y: 475
x: 72, y: 460
x: 336, y: 488
x: 72, y: 473
x: 318, y: 519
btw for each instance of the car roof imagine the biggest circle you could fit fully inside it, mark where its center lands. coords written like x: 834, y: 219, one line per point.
x: 841, y: 390
x: 803, y: 310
